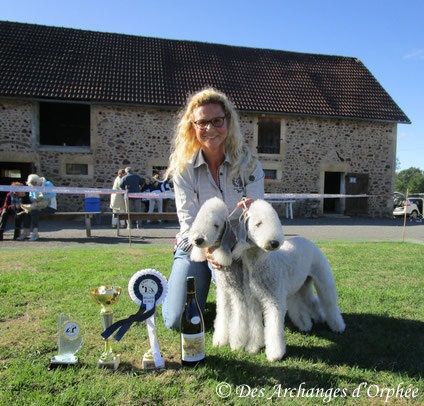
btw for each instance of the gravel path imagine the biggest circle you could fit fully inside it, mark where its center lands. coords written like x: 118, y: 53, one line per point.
x: 72, y: 232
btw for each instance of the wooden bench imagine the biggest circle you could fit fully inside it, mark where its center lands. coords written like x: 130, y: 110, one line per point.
x: 167, y: 215
x: 88, y: 215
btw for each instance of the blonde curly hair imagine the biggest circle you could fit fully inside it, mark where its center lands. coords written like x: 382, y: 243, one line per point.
x: 185, y: 143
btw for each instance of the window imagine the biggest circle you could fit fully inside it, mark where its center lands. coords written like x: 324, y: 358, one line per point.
x: 270, y: 174
x: 64, y: 124
x: 11, y: 173
x: 269, y: 136
x: 76, y: 169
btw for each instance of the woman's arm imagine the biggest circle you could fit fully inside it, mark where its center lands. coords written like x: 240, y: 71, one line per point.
x: 187, y: 204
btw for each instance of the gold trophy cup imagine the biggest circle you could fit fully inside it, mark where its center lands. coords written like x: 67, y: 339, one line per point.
x: 106, y: 296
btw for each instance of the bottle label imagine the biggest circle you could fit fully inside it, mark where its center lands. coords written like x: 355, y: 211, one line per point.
x: 193, y: 347
x: 195, y: 320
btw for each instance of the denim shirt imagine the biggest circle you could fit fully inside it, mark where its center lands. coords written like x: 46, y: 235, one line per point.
x: 50, y: 197
x: 195, y: 185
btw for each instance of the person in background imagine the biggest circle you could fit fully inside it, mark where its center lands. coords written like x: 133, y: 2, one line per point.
x: 209, y: 158
x: 155, y: 187
x: 12, y: 208
x: 146, y: 188
x: 165, y: 186
x: 117, y: 202
x: 41, y: 202
x: 132, y: 183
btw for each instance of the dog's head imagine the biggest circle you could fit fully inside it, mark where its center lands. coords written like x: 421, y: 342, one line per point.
x: 263, y: 226
x: 211, y: 229
x: 209, y: 225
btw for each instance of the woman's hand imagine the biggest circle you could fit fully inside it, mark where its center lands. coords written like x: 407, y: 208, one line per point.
x: 245, y: 203
x: 209, y: 258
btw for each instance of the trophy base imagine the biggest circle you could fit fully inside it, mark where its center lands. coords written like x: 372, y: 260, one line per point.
x: 63, y: 360
x: 148, y: 363
x: 112, y: 364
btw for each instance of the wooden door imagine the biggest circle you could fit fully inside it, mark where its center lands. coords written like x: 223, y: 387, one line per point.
x: 356, y: 184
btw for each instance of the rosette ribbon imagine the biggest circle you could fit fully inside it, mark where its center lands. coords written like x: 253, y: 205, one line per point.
x: 124, y: 325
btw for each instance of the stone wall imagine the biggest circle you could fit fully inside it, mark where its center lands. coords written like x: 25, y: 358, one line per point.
x: 140, y: 137
x: 313, y: 146
x: 16, y: 123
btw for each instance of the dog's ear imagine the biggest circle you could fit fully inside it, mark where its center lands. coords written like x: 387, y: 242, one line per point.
x: 239, y: 226
x: 197, y: 254
x: 222, y: 254
x: 228, y: 239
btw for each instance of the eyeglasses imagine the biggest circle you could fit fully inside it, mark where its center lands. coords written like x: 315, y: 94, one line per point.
x: 216, y: 122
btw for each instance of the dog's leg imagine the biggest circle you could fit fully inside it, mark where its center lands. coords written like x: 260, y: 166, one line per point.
x: 223, y: 307
x: 312, y: 301
x: 274, y: 314
x: 238, y: 324
x: 298, y: 312
x: 255, y: 325
x: 326, y: 289
x: 304, y: 306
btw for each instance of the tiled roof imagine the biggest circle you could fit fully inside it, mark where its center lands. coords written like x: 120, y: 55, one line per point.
x: 61, y: 63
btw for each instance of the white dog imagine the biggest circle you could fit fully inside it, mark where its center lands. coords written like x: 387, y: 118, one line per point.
x: 278, y: 270
x: 211, y: 229
x: 239, y: 320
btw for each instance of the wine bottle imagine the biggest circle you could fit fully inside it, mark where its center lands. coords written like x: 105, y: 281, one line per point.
x: 192, y: 329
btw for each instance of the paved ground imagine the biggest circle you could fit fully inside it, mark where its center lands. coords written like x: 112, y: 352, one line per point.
x: 72, y: 232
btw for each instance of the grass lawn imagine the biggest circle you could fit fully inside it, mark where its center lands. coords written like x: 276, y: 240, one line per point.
x: 381, y: 290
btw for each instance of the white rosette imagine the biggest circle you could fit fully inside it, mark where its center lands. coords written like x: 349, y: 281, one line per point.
x: 148, y: 288
x: 147, y: 285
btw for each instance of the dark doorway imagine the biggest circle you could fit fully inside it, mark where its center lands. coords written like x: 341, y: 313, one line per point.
x: 332, y: 182
x: 14, y: 172
x: 356, y: 184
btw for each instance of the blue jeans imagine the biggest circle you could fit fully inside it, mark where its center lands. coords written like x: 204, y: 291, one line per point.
x: 35, y: 215
x: 175, y: 299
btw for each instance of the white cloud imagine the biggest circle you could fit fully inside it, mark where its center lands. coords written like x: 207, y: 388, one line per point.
x: 415, y: 54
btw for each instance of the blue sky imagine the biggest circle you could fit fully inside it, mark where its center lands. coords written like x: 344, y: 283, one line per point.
x: 386, y: 35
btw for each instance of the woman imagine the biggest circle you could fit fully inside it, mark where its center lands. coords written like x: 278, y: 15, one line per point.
x: 40, y: 203
x: 155, y: 188
x: 12, y: 208
x: 117, y: 202
x: 210, y: 158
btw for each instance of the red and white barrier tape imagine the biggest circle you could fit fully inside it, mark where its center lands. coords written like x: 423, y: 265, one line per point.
x: 275, y: 197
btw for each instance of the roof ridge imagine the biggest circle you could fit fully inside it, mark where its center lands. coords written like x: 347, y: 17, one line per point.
x: 180, y: 40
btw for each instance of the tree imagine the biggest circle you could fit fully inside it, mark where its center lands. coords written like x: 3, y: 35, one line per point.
x: 411, y: 179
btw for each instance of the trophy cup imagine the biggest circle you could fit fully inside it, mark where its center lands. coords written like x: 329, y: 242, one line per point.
x: 107, y: 296
x: 69, y: 342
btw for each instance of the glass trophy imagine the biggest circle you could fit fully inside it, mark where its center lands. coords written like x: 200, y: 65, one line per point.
x: 106, y: 296
x: 69, y: 341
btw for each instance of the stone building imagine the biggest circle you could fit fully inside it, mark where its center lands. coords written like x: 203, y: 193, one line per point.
x: 77, y: 105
